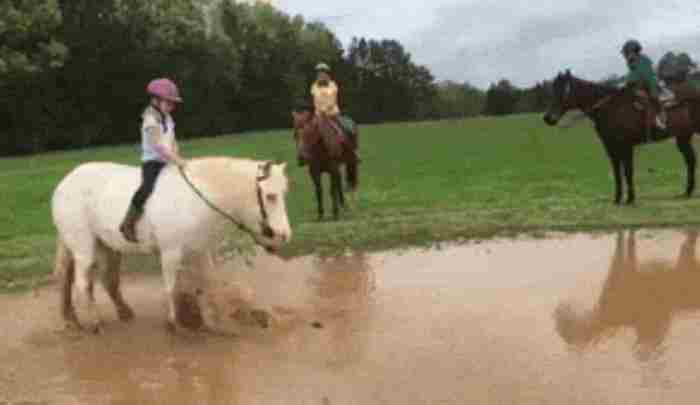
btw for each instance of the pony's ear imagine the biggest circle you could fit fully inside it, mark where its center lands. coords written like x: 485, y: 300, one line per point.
x: 264, y: 171
x: 295, y: 115
x: 282, y: 166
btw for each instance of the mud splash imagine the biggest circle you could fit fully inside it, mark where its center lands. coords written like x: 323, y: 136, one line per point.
x: 605, y: 319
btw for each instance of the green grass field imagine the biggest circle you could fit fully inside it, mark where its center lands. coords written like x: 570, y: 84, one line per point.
x: 419, y: 183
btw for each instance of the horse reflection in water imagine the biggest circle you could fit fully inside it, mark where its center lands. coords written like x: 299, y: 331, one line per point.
x: 643, y: 296
x: 145, y: 365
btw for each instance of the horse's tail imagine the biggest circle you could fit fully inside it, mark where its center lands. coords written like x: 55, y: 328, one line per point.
x: 351, y: 173
x: 64, y: 270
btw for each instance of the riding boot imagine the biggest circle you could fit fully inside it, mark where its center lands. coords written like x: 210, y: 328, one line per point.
x: 660, y: 114
x: 128, y: 226
x: 356, y: 153
x: 661, y: 120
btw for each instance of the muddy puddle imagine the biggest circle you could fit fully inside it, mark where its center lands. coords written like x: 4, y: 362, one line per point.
x: 606, y: 319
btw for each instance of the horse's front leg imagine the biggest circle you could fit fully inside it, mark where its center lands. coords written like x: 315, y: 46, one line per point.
x: 615, y: 161
x: 686, y: 148
x: 341, y: 192
x: 628, y: 163
x: 336, y: 192
x: 315, y: 173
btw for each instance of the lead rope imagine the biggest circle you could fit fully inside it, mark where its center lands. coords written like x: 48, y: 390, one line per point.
x: 210, y: 204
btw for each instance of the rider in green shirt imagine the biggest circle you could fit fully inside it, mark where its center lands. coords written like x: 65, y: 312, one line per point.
x: 642, y: 77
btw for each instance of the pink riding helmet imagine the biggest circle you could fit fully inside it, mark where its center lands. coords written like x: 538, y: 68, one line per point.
x: 165, y: 89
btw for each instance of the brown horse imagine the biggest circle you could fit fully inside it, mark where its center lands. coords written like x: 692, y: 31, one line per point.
x: 622, y: 122
x: 327, y: 151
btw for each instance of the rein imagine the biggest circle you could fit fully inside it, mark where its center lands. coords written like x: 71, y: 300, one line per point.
x: 267, y: 230
x: 602, y: 102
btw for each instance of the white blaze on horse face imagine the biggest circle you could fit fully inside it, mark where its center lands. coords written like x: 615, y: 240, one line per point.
x: 274, y: 191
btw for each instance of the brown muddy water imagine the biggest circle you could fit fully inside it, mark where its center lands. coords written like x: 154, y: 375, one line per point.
x: 580, y: 319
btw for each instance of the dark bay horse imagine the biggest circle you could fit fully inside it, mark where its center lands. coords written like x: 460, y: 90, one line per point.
x: 327, y: 152
x: 622, y: 124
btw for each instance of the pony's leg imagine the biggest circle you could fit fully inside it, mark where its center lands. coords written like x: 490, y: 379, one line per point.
x: 628, y: 164
x: 111, y: 279
x: 615, y: 161
x: 171, y: 261
x: 315, y: 173
x: 688, y: 152
x: 84, y: 282
x: 64, y: 270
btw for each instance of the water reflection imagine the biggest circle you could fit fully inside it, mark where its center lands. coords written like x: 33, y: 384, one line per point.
x: 642, y: 296
x: 342, y: 299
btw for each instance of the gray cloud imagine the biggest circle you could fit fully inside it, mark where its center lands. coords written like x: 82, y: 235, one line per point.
x: 483, y: 41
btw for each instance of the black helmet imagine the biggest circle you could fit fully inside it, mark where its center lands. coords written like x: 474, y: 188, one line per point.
x: 631, y: 45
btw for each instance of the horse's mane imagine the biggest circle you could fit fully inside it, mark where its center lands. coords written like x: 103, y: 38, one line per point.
x: 598, y: 89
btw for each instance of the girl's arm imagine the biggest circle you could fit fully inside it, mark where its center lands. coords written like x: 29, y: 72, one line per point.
x: 164, y: 151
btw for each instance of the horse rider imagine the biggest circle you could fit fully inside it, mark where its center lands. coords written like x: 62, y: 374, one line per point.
x: 325, y: 96
x: 642, y: 78
x: 158, y: 145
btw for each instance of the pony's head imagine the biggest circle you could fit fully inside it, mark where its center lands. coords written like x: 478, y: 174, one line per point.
x: 562, y: 98
x: 272, y: 229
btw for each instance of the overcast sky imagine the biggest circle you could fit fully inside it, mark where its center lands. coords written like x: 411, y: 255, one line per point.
x: 524, y: 41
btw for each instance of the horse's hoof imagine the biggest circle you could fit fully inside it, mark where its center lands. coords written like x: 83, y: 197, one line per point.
x: 126, y: 314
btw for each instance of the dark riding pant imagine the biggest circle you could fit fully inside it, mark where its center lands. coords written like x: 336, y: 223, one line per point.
x: 149, y: 174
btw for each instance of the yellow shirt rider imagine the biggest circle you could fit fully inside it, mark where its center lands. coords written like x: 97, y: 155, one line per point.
x: 325, y: 96
x: 325, y: 93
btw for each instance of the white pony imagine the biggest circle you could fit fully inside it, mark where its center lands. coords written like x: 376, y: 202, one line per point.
x: 181, y: 218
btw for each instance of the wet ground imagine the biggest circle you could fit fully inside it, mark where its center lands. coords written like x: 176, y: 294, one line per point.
x: 607, y: 319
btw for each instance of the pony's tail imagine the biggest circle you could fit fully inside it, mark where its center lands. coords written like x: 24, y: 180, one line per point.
x: 64, y: 270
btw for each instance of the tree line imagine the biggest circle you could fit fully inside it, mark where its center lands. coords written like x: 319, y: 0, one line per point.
x: 73, y: 72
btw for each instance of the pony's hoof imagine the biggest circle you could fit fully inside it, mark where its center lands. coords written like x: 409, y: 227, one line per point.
x: 94, y: 328
x: 72, y: 325
x: 261, y: 317
x: 126, y: 314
